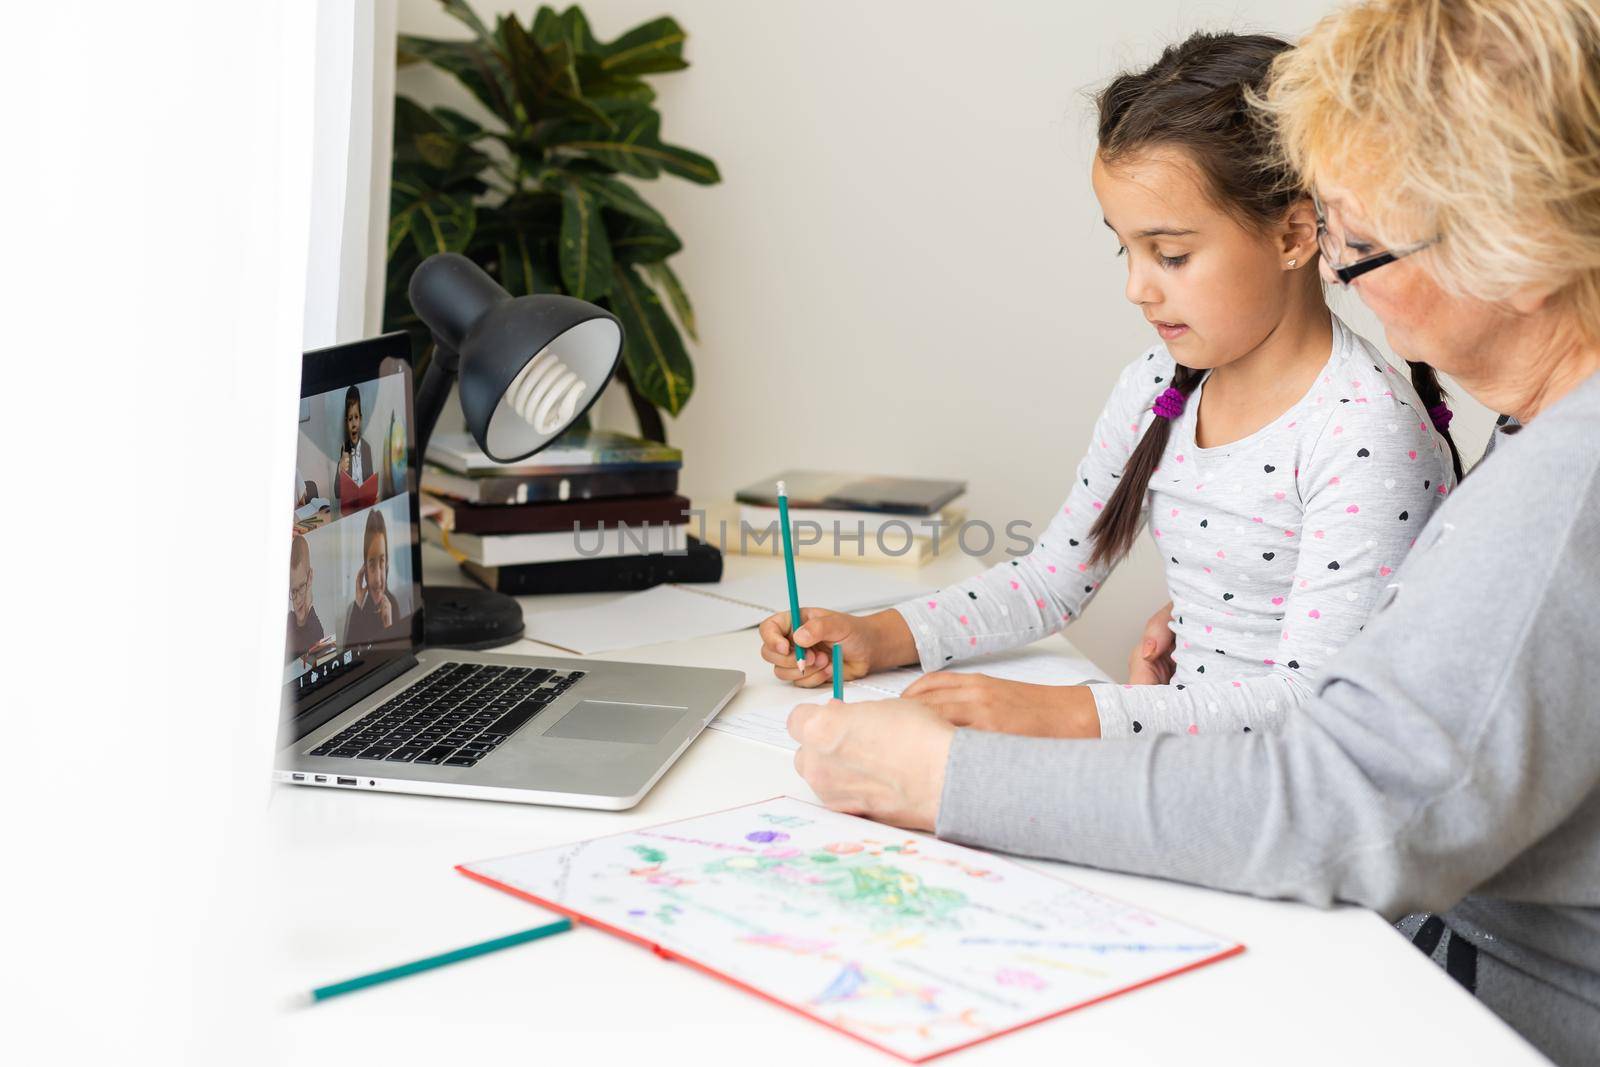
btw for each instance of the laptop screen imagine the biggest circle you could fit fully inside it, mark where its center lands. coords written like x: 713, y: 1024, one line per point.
x: 354, y: 582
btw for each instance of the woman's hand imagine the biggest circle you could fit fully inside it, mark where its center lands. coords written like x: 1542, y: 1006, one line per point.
x: 881, y: 758
x: 1151, y: 663
x: 386, y: 611
x: 985, y: 703
x: 869, y: 643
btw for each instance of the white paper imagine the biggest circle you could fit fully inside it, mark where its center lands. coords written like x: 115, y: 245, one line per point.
x: 838, y: 586
x: 911, y: 944
x: 761, y: 710
x: 663, y: 613
x: 679, y: 613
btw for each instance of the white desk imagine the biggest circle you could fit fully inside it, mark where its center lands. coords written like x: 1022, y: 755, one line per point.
x: 364, y: 881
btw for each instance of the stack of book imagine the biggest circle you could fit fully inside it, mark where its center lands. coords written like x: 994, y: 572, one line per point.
x: 593, y: 511
x: 854, y: 518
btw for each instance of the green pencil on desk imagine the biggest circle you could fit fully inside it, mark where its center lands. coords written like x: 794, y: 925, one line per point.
x: 350, y: 985
x: 794, y: 596
x: 788, y: 566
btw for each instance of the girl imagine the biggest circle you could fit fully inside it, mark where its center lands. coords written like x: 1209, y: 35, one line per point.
x: 374, y: 614
x: 1281, y: 465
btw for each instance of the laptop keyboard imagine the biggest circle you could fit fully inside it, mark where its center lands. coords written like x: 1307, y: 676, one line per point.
x: 453, y: 716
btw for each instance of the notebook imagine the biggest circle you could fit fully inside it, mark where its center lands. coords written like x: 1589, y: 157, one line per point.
x: 681, y: 612
x: 761, y: 711
x: 494, y: 490
x: 839, y: 491
x: 555, y: 516
x: 574, y: 452
x: 910, y: 944
x: 510, y: 549
x: 618, y: 574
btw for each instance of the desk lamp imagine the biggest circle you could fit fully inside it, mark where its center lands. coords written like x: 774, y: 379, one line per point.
x: 528, y: 367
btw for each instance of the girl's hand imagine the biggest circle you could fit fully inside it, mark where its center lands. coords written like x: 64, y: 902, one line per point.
x: 344, y: 463
x: 361, y: 588
x: 869, y: 643
x: 386, y: 611
x: 994, y: 704
x: 884, y: 759
x: 1151, y: 662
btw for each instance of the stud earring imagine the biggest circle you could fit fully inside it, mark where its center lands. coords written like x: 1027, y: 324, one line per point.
x: 1292, y: 262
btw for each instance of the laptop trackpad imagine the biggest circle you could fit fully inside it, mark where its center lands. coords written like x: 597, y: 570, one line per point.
x: 604, y: 720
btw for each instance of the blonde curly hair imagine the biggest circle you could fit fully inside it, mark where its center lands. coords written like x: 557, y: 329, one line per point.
x: 1476, y: 122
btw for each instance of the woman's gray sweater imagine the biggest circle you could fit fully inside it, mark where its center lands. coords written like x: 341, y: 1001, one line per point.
x: 1449, y: 761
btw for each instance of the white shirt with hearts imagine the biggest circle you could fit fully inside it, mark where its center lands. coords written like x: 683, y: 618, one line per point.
x: 1277, y: 547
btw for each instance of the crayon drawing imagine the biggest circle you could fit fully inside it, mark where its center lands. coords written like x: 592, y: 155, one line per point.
x: 912, y: 944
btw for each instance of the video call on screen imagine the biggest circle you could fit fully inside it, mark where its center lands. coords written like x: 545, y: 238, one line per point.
x: 351, y: 587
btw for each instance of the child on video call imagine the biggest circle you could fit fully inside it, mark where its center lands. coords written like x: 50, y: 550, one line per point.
x: 375, y: 614
x: 355, y: 454
x: 305, y: 629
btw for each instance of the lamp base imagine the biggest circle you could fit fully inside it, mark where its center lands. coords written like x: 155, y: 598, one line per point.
x: 458, y: 616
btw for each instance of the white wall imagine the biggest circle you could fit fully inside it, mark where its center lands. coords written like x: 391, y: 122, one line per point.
x: 904, y: 268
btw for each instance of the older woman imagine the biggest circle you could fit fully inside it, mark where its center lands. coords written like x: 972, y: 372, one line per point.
x: 1451, y: 760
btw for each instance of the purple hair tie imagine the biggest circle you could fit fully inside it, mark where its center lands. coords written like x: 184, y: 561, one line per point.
x: 1441, y: 415
x: 1169, y: 405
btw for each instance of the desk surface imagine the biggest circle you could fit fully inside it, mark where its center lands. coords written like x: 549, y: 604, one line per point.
x: 363, y: 881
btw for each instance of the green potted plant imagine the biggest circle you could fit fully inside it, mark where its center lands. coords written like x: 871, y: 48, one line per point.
x: 537, y: 198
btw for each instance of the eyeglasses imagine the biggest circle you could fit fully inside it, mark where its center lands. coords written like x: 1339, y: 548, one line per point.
x: 1332, y: 242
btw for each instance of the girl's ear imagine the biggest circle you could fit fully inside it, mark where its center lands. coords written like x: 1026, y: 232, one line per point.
x: 1297, y: 236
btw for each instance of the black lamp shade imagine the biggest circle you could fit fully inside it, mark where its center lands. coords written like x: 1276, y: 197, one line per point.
x: 528, y: 366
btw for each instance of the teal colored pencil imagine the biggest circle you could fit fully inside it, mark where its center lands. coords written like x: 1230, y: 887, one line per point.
x: 441, y: 960
x: 788, y: 566
x: 838, y: 673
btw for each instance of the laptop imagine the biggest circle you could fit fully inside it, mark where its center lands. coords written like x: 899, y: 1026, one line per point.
x: 367, y: 707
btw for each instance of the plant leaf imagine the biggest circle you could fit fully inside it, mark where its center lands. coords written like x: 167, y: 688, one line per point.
x: 616, y: 195
x: 609, y: 94
x: 585, y: 247
x: 657, y: 361
x: 686, y: 164
x: 463, y: 12
x: 545, y: 83
x: 536, y: 214
x: 575, y: 29
x: 519, y: 240
x: 651, y: 48
x: 637, y: 241
x: 436, y: 221
x: 477, y: 67
x: 546, y: 26
x: 634, y: 147
x: 427, y: 152
x: 525, y: 266
x: 668, y: 283
x: 438, y: 150
x: 458, y: 124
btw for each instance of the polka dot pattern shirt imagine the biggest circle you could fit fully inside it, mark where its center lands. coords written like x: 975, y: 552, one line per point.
x: 1277, y: 546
